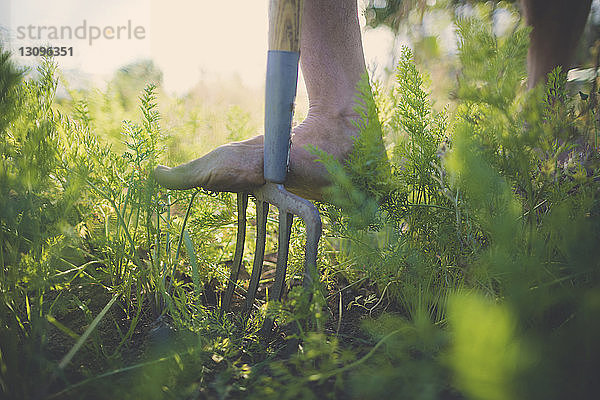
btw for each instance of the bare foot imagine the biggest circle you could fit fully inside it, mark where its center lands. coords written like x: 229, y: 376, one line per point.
x: 233, y: 167
x: 236, y: 167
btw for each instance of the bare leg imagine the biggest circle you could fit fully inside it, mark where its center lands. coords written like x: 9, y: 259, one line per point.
x: 557, y: 27
x: 332, y: 61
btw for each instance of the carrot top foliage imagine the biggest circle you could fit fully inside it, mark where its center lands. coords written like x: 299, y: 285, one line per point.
x: 459, y: 260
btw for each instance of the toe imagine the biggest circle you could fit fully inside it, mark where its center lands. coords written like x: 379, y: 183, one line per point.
x: 170, y: 178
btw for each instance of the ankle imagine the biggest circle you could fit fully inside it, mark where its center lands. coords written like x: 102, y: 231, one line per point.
x: 333, y: 115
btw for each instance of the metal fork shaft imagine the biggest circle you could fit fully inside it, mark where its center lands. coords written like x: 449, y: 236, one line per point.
x: 285, y: 201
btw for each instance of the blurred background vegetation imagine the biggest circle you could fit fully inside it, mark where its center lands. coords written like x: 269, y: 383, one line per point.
x: 459, y: 257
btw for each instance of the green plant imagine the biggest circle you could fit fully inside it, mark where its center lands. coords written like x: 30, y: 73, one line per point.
x: 463, y: 244
x: 397, y: 214
x: 38, y: 220
x: 501, y: 218
x: 525, y: 166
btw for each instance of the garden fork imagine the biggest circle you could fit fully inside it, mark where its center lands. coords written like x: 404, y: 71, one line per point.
x: 282, y: 77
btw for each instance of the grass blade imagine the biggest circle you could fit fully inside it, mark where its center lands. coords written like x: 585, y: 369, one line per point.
x: 69, y: 356
x: 193, y: 260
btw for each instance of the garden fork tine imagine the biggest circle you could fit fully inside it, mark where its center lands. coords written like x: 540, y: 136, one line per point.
x: 242, y: 205
x: 262, y: 210
x: 282, y: 77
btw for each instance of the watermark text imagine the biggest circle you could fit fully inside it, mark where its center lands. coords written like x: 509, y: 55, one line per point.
x: 85, y: 31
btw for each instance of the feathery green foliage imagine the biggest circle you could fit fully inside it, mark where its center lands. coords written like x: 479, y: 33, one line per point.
x: 403, y: 219
x: 528, y: 174
x: 477, y: 231
x: 497, y: 212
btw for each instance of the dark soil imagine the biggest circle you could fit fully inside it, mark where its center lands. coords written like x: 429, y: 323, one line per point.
x: 103, y: 351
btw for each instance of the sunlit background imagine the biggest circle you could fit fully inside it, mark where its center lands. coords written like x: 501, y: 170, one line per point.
x: 188, y: 40
x: 192, y: 41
